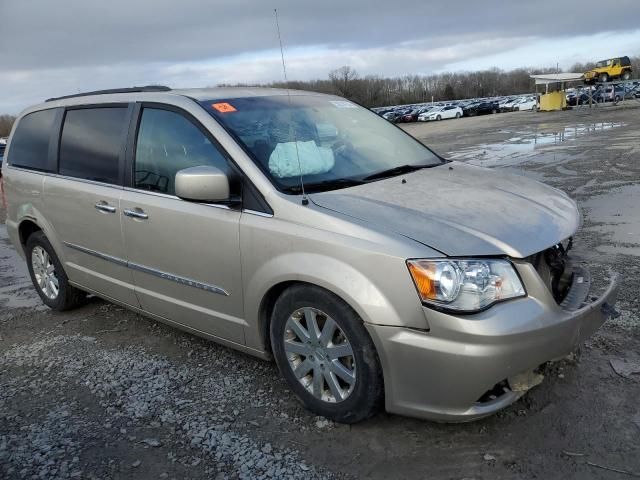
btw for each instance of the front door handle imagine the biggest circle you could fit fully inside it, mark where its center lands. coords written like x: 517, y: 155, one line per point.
x: 136, y: 213
x: 104, y: 207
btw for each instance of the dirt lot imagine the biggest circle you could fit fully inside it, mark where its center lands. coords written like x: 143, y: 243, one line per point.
x: 103, y: 393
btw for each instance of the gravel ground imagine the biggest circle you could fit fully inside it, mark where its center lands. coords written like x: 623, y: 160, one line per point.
x: 101, y: 392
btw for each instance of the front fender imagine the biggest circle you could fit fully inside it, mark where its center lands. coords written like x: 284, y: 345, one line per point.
x: 369, y: 301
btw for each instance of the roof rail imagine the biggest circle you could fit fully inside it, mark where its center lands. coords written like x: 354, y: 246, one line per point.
x: 146, y: 88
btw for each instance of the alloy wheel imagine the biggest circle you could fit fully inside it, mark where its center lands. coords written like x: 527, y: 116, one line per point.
x: 320, y: 355
x: 45, y: 272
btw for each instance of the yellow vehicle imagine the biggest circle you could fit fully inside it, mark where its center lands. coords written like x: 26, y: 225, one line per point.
x: 610, y: 69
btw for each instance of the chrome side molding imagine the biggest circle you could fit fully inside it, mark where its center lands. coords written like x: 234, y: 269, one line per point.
x: 151, y: 271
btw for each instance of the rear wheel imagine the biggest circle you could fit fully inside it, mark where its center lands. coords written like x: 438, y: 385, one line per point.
x: 458, y: 115
x: 626, y: 75
x: 48, y: 276
x: 325, y: 354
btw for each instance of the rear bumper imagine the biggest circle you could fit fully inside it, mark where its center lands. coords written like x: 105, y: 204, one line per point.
x: 441, y: 374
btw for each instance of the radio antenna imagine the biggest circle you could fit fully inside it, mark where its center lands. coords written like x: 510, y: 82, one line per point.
x: 305, y: 200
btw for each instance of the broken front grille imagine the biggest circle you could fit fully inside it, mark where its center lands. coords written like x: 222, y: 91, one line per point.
x: 568, y: 283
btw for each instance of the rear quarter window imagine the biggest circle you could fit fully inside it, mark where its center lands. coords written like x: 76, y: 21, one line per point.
x: 30, y: 142
x: 91, y: 142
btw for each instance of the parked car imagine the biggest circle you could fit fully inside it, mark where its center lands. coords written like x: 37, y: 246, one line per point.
x: 225, y: 213
x: 527, y: 103
x: 480, y: 108
x: 392, y: 116
x: 508, y: 106
x: 388, y: 115
x: 504, y: 104
x: 581, y: 97
x: 441, y: 113
x: 610, y: 69
x: 412, y: 116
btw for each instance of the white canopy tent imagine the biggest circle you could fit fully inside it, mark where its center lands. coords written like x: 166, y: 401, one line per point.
x: 561, y: 78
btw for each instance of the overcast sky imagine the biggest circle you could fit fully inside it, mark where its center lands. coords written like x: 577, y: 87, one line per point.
x: 50, y: 48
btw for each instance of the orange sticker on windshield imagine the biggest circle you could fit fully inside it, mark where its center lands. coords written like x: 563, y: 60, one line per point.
x: 224, y: 107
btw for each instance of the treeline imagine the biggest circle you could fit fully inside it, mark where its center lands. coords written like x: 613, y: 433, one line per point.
x: 6, y: 122
x: 377, y: 91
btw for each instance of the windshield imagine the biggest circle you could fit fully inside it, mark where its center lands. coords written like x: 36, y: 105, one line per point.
x: 338, y: 143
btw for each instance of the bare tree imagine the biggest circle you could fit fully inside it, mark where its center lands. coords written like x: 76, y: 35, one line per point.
x: 6, y: 122
x: 343, y: 80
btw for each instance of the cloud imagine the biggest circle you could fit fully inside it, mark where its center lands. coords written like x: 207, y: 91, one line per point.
x: 56, y: 48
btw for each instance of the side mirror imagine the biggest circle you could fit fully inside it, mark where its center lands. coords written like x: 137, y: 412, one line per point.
x: 202, y: 184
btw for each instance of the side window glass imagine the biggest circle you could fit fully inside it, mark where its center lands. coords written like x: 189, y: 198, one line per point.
x: 30, y: 142
x: 167, y: 143
x: 91, y: 142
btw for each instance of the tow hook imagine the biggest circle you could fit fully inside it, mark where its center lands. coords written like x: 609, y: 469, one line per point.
x: 609, y: 311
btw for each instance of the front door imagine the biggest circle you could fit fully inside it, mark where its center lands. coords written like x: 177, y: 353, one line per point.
x: 185, y: 256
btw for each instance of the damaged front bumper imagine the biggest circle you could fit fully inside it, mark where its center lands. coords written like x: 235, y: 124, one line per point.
x: 461, y: 368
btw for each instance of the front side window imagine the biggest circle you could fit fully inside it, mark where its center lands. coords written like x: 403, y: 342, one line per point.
x: 167, y: 143
x: 327, y: 141
x: 30, y: 143
x: 91, y: 142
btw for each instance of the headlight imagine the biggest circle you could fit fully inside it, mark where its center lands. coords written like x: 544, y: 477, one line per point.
x: 465, y: 285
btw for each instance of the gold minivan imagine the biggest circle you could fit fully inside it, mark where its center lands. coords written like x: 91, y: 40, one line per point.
x: 305, y: 228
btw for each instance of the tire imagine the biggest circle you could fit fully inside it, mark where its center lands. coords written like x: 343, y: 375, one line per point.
x: 617, y: 99
x: 603, y: 78
x: 626, y: 75
x: 458, y: 115
x: 331, y: 395
x: 438, y: 118
x: 53, y: 287
x: 494, y: 111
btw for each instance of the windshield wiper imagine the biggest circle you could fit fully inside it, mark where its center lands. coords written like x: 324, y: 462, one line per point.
x: 332, y: 184
x: 399, y: 170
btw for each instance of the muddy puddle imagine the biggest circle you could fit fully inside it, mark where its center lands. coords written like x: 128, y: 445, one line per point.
x: 617, y: 216
x: 523, y: 144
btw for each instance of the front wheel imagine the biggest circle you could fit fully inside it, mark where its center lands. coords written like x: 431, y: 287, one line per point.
x: 49, y: 277
x: 438, y: 118
x: 603, y: 78
x: 326, y: 355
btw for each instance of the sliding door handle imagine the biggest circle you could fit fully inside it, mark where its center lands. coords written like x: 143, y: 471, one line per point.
x: 104, y: 207
x: 136, y: 213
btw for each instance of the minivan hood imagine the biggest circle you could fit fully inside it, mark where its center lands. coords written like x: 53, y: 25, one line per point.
x: 462, y: 210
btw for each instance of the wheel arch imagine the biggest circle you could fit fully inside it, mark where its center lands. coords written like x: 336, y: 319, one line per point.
x: 32, y: 222
x: 270, y: 298
x: 26, y: 228
x: 375, y: 303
